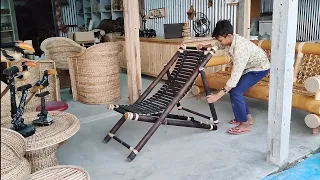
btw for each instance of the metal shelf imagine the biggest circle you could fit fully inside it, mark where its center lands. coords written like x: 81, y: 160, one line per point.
x: 9, y: 18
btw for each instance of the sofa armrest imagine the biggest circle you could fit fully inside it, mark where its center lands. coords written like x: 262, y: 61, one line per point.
x: 312, y: 84
x: 218, y: 60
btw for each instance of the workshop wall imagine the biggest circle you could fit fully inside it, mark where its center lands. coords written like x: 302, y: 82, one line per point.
x: 176, y: 11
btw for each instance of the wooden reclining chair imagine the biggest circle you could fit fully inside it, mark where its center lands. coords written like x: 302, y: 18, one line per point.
x: 156, y: 109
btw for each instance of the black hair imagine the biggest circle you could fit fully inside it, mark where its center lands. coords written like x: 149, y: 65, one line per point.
x: 223, y: 28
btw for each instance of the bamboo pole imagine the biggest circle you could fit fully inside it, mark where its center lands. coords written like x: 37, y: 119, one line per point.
x: 132, y: 42
x: 243, y: 18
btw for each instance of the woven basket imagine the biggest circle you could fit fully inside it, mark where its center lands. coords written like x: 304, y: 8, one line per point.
x: 13, y: 164
x: 95, y: 74
x: 59, y: 49
x: 35, y: 75
x: 5, y: 103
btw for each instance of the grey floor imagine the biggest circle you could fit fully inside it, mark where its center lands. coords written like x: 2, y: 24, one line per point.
x: 177, y: 153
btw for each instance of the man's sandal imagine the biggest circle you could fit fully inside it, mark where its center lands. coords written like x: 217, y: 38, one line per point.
x: 234, y: 122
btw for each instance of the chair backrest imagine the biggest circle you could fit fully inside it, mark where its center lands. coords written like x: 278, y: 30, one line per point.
x: 59, y: 49
x: 185, y: 67
x: 309, y: 64
x: 306, y: 63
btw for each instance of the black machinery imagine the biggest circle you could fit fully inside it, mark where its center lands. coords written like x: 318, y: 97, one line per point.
x: 13, y: 72
x: 43, y: 119
x: 201, y: 25
x: 17, y: 112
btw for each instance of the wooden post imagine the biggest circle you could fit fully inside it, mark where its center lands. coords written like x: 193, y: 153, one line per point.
x: 281, y: 80
x: 247, y: 19
x: 132, y: 41
x: 243, y: 18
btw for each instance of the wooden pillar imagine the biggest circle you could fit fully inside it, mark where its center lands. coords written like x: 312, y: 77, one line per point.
x: 247, y: 19
x: 132, y: 44
x: 281, y: 80
x: 243, y: 18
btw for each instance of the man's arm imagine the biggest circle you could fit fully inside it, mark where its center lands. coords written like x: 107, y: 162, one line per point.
x: 240, y: 59
x: 217, y: 44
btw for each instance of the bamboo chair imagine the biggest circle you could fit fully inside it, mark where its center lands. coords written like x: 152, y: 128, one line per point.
x: 156, y: 109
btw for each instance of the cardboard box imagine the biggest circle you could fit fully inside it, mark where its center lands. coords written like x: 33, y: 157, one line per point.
x: 84, y: 37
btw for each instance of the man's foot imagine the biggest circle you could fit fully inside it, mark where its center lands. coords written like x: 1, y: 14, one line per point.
x: 250, y: 120
x: 242, y: 128
x: 237, y: 123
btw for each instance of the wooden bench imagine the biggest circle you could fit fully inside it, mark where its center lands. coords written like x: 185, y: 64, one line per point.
x: 306, y: 85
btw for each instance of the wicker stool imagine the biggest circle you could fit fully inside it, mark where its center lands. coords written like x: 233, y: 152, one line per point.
x: 60, y: 173
x: 13, y: 165
x: 42, y: 146
x: 59, y: 49
x: 95, y: 74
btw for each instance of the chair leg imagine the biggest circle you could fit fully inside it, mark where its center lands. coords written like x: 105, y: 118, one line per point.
x: 315, y: 131
x: 162, y: 118
x: 114, y: 129
x: 146, y: 137
x: 207, y: 91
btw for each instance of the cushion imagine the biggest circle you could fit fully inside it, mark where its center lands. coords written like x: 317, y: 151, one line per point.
x: 54, y: 106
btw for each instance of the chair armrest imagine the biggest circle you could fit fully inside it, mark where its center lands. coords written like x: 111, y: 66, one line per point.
x: 312, y: 84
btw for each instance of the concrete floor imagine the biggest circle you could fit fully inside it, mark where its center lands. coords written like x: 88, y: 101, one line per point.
x: 178, y: 153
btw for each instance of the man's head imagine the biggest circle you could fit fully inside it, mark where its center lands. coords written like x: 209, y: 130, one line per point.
x: 223, y: 32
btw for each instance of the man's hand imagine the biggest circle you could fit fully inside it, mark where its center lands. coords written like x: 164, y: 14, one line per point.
x: 213, y: 98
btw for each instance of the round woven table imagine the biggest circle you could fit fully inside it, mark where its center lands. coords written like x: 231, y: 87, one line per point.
x: 42, y: 146
x: 60, y: 173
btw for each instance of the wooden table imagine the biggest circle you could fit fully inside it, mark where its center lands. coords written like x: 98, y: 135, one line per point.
x: 42, y: 146
x: 156, y: 52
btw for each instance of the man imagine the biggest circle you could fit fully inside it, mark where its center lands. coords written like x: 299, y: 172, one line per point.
x: 250, y: 65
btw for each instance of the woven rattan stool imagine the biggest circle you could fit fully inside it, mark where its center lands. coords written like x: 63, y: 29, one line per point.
x: 95, y: 74
x: 42, y: 146
x: 61, y: 173
x: 13, y: 165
